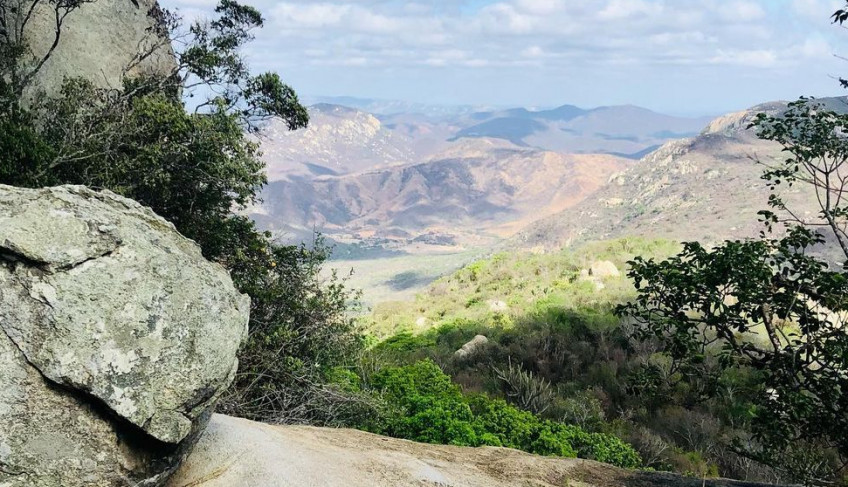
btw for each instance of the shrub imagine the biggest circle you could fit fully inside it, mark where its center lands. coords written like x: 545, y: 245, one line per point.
x: 524, y: 389
x: 512, y: 427
x: 432, y: 409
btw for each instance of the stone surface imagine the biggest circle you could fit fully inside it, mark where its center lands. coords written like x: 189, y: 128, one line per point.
x: 116, y: 339
x: 603, y: 268
x: 99, y: 42
x: 235, y: 452
x: 471, y: 347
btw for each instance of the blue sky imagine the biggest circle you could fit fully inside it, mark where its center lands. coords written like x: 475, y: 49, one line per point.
x: 677, y: 56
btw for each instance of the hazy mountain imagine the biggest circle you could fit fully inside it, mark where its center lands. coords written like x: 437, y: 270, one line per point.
x: 625, y: 130
x: 382, y: 107
x: 338, y: 140
x: 341, y: 139
x: 705, y: 188
x: 478, y: 190
x: 465, y: 177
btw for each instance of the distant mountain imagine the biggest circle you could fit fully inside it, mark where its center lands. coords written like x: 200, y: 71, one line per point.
x: 338, y: 140
x: 464, y: 177
x: 624, y: 130
x: 342, y: 139
x: 477, y: 191
x: 705, y: 188
x: 381, y: 107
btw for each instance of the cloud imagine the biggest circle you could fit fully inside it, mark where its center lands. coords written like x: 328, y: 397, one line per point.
x: 626, y: 9
x: 815, y: 9
x: 759, y: 58
x: 742, y: 12
x: 517, y: 43
x: 533, y: 52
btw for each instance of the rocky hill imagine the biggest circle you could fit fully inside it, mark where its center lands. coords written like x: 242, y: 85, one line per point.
x: 705, y: 188
x: 477, y: 189
x: 338, y: 140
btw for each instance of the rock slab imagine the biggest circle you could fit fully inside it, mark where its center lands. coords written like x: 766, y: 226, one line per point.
x: 235, y: 452
x: 471, y: 347
x: 116, y: 339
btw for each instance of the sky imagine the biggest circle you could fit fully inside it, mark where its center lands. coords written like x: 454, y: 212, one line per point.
x: 686, y: 57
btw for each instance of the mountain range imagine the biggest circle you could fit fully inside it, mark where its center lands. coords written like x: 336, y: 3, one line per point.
x: 408, y: 197
x: 464, y: 177
x: 705, y: 188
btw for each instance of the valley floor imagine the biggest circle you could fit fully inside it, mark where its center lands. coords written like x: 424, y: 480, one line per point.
x: 400, y: 278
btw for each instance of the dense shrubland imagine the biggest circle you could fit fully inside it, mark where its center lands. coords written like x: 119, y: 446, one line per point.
x: 560, y: 344
x: 427, y: 406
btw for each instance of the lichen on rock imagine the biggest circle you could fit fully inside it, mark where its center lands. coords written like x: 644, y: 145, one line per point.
x: 107, y: 310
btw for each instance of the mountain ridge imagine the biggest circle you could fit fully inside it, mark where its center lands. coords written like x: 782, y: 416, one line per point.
x: 706, y: 188
x: 353, y: 174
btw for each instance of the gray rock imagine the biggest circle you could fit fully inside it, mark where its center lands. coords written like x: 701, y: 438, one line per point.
x: 471, y: 347
x: 116, y: 339
x: 603, y: 268
x: 100, y: 42
x: 235, y: 452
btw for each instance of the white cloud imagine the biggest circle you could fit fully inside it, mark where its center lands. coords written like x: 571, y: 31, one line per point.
x: 540, y: 7
x: 533, y: 52
x: 815, y: 48
x: 625, y: 9
x: 760, y: 58
x: 431, y: 43
x: 740, y: 11
x: 816, y: 10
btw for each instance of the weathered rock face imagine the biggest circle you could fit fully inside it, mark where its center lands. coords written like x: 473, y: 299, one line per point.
x: 99, y: 41
x: 236, y: 452
x: 116, y: 339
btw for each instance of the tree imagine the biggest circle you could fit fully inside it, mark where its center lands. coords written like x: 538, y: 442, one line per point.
x: 193, y: 167
x: 771, y: 305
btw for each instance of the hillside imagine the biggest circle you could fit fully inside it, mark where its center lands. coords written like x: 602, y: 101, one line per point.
x: 519, y: 318
x: 478, y: 189
x: 705, y: 188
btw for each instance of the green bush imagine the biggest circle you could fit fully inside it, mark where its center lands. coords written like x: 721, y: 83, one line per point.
x: 432, y: 409
x: 510, y: 426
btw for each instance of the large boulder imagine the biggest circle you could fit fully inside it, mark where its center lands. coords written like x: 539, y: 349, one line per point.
x: 471, y: 347
x: 116, y: 339
x: 236, y: 452
x: 102, y: 41
x: 603, y: 269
